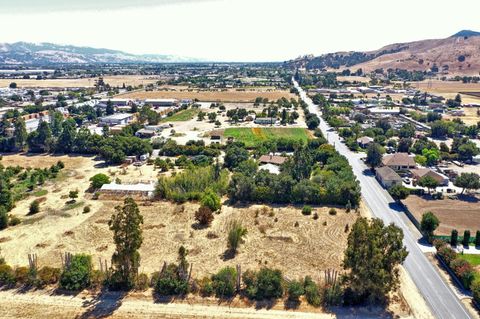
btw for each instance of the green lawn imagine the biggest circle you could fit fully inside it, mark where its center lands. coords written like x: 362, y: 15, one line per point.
x: 252, y: 136
x: 184, y: 115
x: 473, y: 259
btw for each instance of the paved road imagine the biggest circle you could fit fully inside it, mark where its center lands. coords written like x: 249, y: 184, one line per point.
x: 439, y: 296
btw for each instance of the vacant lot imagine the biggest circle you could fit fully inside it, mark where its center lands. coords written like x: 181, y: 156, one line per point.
x: 453, y: 214
x: 470, y: 117
x: 184, y: 115
x: 133, y: 80
x: 230, y: 95
x: 253, y: 136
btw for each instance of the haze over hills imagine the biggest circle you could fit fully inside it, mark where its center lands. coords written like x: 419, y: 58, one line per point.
x: 24, y: 53
x: 458, y: 54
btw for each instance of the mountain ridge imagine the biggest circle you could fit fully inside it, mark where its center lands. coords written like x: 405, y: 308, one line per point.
x: 27, y: 53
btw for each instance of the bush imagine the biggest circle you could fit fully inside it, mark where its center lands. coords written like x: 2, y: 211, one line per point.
x: 204, y: 215
x: 466, y: 238
x: 86, y: 209
x: 141, y: 282
x: 34, y: 207
x: 48, y: 276
x: 169, y: 283
x: 22, y: 275
x: 312, y: 293
x: 211, y: 200
x: 7, y: 276
x: 97, y: 181
x: 236, y: 233
x: 447, y: 254
x: 295, y: 289
x: 97, y: 279
x: 306, y: 210
x: 332, y: 211
x: 224, y: 282
x: 265, y: 284
x: 76, y: 276
x: 475, y: 287
x: 464, y: 271
x: 14, y: 221
x: 206, y: 287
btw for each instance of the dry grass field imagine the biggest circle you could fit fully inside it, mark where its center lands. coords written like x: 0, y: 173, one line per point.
x: 85, y: 82
x: 453, y: 214
x: 227, y: 95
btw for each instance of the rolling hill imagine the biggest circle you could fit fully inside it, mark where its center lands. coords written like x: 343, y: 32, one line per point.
x: 24, y: 53
x: 458, y: 54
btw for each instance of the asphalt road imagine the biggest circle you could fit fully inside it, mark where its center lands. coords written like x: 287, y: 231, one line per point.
x: 438, y: 295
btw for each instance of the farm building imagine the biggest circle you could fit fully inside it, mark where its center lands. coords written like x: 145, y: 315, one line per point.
x: 116, y: 119
x: 116, y: 102
x: 161, y: 102
x: 421, y: 172
x: 265, y: 120
x: 387, y: 177
x: 140, y: 189
x: 399, y: 161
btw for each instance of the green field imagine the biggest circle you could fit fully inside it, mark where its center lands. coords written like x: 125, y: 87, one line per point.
x: 252, y: 136
x: 184, y: 115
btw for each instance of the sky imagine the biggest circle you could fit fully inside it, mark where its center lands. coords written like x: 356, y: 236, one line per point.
x: 234, y: 30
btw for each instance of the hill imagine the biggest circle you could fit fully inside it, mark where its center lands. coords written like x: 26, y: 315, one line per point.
x: 455, y: 55
x: 24, y: 53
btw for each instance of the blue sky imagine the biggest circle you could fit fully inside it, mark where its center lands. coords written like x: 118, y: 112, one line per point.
x: 234, y: 30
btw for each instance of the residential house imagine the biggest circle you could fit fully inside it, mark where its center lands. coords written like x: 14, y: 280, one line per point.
x: 364, y: 141
x: 272, y: 159
x: 399, y: 161
x: 421, y: 172
x: 116, y: 119
x: 387, y: 177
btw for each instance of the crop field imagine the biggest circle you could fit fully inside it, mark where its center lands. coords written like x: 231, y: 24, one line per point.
x: 184, y: 115
x: 253, y: 136
x: 114, y: 80
x: 230, y: 95
x: 453, y: 214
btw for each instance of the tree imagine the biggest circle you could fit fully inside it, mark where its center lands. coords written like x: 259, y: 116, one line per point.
x: 372, y: 263
x: 211, y: 200
x: 428, y: 182
x: 3, y: 218
x: 73, y: 195
x: 398, y: 192
x: 454, y: 238
x: 477, y: 239
x: 467, y: 181
x: 236, y: 232
x: 66, y: 140
x: 428, y: 224
x: 97, y: 181
x: 76, y: 275
x: 127, y: 235
x: 312, y: 121
x: 212, y: 116
x: 295, y: 290
x: 466, y: 238
x: 20, y: 137
x: 374, y: 155
x: 224, y: 282
x: 109, y: 109
x: 34, y: 207
x: 13, y: 85
x: 234, y: 156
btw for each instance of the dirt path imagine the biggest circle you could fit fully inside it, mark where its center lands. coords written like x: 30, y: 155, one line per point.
x: 43, y: 305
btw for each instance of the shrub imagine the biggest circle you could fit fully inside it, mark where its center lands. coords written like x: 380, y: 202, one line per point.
x: 466, y: 238
x: 14, y: 221
x: 204, y: 215
x: 477, y: 239
x: 332, y: 211
x: 315, y: 216
x: 428, y: 224
x: 206, y: 287
x: 454, y: 238
x: 97, y: 279
x: 236, y: 233
x: 86, y: 209
x: 141, y: 282
x: 97, y: 181
x: 170, y: 283
x: 7, y: 276
x: 295, y: 290
x: 224, y: 281
x: 265, y: 284
x: 34, y: 207
x: 76, y: 276
x: 211, y: 200
x: 306, y: 210
x: 447, y: 254
x: 464, y: 271
x: 475, y: 287
x: 312, y: 293
x: 22, y: 275
x: 48, y: 276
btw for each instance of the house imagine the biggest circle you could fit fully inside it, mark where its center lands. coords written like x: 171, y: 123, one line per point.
x: 145, y: 133
x: 399, y: 161
x: 364, y: 141
x: 265, y: 120
x: 116, y: 119
x: 387, y: 177
x: 272, y: 159
x: 116, y: 102
x: 421, y: 172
